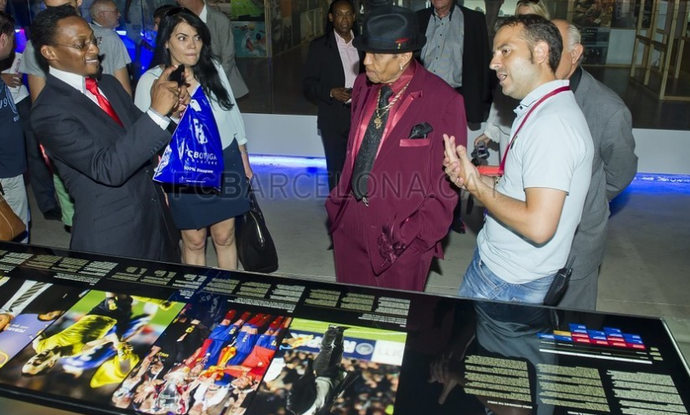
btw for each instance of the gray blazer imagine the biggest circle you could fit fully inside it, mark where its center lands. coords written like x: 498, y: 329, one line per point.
x: 106, y: 168
x: 223, y: 46
x: 613, y: 168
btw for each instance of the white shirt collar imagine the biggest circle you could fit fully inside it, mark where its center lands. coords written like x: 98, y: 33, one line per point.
x: 539, y: 92
x: 204, y: 14
x: 339, y: 39
x: 71, y: 79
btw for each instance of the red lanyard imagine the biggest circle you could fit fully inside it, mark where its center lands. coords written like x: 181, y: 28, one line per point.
x: 524, y: 120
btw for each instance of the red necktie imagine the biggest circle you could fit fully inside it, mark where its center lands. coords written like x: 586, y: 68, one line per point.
x: 92, y: 86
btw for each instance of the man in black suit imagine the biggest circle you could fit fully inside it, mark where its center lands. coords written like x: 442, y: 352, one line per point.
x: 101, y: 143
x: 332, y: 66
x: 465, y: 52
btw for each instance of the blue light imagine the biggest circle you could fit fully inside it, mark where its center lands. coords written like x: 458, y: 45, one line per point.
x: 663, y: 178
x: 287, y: 161
x: 643, y: 182
x: 20, y: 37
x: 296, y: 161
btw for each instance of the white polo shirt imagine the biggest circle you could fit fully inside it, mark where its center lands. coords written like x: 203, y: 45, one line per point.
x: 554, y: 150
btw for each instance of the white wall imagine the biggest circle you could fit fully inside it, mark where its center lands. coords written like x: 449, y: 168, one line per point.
x: 659, y: 151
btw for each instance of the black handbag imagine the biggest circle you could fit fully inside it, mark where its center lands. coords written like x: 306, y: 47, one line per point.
x: 255, y: 248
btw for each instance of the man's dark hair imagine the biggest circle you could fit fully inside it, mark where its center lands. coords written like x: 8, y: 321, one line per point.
x: 160, y: 12
x: 6, y: 23
x: 537, y: 29
x: 329, y: 24
x: 44, y: 28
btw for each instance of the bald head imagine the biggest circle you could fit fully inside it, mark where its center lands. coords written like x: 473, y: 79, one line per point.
x: 76, y: 4
x: 105, y: 13
x: 572, y: 48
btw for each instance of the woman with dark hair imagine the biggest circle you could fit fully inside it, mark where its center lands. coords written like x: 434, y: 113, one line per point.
x: 183, y: 39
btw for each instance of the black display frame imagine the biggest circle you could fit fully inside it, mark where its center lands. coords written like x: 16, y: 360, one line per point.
x: 443, y: 334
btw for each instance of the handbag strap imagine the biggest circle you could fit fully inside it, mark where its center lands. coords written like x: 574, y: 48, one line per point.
x: 253, y: 203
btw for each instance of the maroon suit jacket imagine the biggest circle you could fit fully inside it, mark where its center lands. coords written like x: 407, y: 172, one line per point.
x: 412, y: 202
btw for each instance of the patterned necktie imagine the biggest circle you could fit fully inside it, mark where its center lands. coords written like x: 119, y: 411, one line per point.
x: 370, y: 145
x: 92, y: 86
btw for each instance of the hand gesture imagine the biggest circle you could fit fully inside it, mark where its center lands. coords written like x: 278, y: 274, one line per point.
x: 458, y: 166
x: 441, y: 371
x: 482, y: 139
x: 165, y: 94
x: 341, y: 94
x: 12, y: 80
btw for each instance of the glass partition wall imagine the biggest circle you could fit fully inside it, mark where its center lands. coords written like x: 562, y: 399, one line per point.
x: 272, y: 36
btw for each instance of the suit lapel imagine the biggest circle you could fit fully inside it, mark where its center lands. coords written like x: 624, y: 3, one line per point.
x: 83, y: 102
x: 335, y: 61
x: 76, y: 97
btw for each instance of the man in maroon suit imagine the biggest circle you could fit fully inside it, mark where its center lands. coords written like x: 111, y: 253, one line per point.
x: 392, y: 205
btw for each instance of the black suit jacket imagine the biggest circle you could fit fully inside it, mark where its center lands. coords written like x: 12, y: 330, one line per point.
x: 477, y: 78
x: 106, y: 168
x: 324, y: 71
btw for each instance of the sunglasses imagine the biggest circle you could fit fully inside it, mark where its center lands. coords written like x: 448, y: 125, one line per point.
x: 83, y: 45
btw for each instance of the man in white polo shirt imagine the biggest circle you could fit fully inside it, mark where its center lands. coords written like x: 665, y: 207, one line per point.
x: 535, y: 199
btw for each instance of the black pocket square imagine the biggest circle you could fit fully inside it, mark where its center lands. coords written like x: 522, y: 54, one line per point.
x: 421, y: 130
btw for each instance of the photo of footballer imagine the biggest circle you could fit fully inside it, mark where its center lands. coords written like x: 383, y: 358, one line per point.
x: 326, y: 368
x: 27, y: 308
x: 195, y: 369
x: 90, y: 350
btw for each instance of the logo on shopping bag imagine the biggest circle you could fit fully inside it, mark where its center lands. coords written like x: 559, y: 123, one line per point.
x: 199, y: 132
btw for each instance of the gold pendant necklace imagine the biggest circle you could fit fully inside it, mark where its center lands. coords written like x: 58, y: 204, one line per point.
x: 377, y: 122
x: 380, y: 112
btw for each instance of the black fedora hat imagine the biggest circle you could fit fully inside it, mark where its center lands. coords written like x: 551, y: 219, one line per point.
x: 390, y: 29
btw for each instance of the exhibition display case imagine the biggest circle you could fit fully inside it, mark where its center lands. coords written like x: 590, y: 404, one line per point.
x: 105, y: 335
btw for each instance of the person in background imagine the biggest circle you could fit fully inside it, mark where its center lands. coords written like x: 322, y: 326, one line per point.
x: 40, y: 176
x: 183, y: 39
x: 332, y: 66
x: 101, y: 144
x: 12, y: 153
x: 158, y: 15
x: 614, y: 167
x: 534, y: 206
x: 501, y: 114
x: 393, y: 204
x: 537, y: 7
x: 114, y: 56
x: 458, y: 51
x: 104, y: 14
x: 222, y: 41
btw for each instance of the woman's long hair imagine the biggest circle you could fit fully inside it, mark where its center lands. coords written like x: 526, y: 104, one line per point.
x: 204, y: 70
